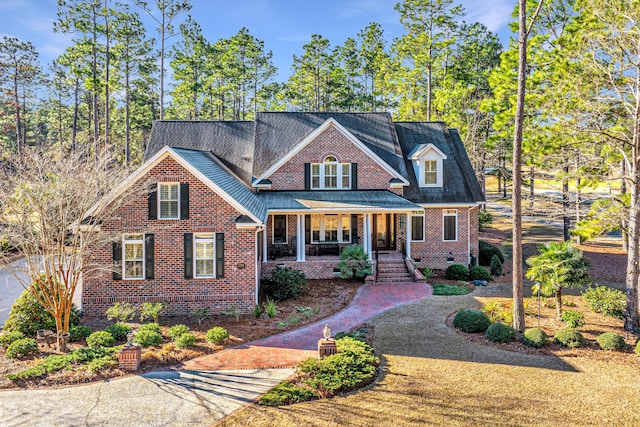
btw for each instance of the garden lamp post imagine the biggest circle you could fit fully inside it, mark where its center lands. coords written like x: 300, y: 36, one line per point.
x: 538, y: 287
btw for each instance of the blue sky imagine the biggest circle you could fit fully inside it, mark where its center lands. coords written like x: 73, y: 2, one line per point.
x: 284, y: 25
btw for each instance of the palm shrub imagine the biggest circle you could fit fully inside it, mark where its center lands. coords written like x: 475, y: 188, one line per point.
x: 456, y: 272
x: 354, y: 263
x: 217, y: 335
x: 557, y: 266
x: 286, y: 283
x: 471, y: 320
x: 479, y: 273
x: 535, y: 337
x: 495, y: 266
x: 605, y: 300
x: 611, y: 341
x: 486, y: 251
x: 569, y: 337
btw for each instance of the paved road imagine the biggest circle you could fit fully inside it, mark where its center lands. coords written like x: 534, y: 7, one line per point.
x: 10, y: 289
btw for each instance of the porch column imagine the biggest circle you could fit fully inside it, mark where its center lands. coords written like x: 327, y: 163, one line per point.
x: 407, y: 238
x: 366, y: 234
x: 264, y: 243
x: 300, y: 237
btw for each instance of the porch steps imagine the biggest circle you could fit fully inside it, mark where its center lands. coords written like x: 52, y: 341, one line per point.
x: 392, y: 270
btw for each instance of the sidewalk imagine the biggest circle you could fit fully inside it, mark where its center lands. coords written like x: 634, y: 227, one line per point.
x: 205, y: 389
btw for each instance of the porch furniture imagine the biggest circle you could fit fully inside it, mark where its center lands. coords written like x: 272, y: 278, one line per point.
x: 328, y: 249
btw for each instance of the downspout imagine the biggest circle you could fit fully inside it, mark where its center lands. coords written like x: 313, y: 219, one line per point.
x: 469, y: 235
x: 257, y: 264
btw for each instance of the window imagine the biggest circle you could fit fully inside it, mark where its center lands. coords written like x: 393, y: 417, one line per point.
x: 332, y: 228
x: 417, y: 227
x: 330, y: 175
x: 450, y: 225
x: 133, y: 248
x: 279, y: 229
x: 430, y: 172
x: 169, y: 200
x: 204, y: 251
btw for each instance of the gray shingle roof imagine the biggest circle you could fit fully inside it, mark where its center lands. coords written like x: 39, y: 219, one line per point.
x: 459, y: 182
x: 209, y: 166
x: 339, y: 200
x: 232, y: 141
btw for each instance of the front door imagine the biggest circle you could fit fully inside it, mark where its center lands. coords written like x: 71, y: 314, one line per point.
x: 384, y: 226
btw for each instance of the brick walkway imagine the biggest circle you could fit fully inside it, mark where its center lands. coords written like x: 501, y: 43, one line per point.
x: 287, y: 349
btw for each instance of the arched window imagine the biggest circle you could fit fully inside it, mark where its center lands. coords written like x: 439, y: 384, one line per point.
x: 330, y: 174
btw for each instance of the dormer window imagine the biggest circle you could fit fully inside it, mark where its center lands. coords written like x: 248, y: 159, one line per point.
x: 330, y: 175
x: 427, y: 162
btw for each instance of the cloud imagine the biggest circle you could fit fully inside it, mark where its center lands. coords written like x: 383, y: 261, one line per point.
x: 495, y: 16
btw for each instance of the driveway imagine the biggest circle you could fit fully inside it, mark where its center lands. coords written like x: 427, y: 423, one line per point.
x: 10, y: 289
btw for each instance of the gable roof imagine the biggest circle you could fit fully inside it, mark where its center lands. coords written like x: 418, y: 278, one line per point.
x: 459, y: 183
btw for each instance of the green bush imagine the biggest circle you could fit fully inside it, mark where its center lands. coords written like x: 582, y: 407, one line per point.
x: 535, y: 337
x: 28, y: 316
x: 100, y: 339
x: 426, y: 272
x: 257, y: 311
x: 569, y: 337
x: 479, y: 273
x: 270, y: 307
x: 354, y: 263
x: 497, y: 312
x: 573, y: 319
x: 22, y: 347
x: 147, y: 337
x: 217, y: 335
x: 105, y: 356
x: 456, y: 272
x: 444, y: 289
x: 484, y: 219
x: 486, y: 251
x: 185, y: 340
x: 79, y: 332
x: 119, y: 331
x: 286, y: 283
x: 636, y: 350
x: 177, y: 330
x: 608, y: 301
x: 611, y: 341
x: 495, y: 266
x: 471, y: 320
x: 153, y: 327
x: 122, y: 312
x: 286, y: 393
x: 9, y: 337
x: 151, y: 311
x: 501, y: 333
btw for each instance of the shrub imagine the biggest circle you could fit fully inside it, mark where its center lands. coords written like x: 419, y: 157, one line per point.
x: 9, y: 337
x: 573, y: 319
x: 22, y: 347
x: 354, y: 263
x: 271, y: 308
x: 28, y: 316
x: 471, y: 320
x: 286, y: 283
x: 151, y: 311
x: 479, y: 273
x: 486, y: 251
x: 177, y: 330
x: 446, y: 289
x: 119, y: 331
x: 217, y: 335
x: 185, y: 340
x: 608, y: 301
x: 535, y: 337
x: 257, y: 311
x: 153, y: 327
x: 456, y: 272
x: 287, y: 393
x: 100, y: 339
x: 499, y: 332
x: 79, y: 332
x: 611, y: 341
x: 122, y: 312
x: 495, y: 266
x: 569, y: 337
x: 426, y: 272
x: 147, y: 337
x: 202, y: 314
x: 484, y: 219
x: 636, y: 350
x: 497, y: 312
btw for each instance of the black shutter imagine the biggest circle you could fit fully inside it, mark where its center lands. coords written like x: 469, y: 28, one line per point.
x: 117, y: 260
x: 219, y: 255
x: 152, y: 198
x: 184, y: 200
x: 307, y: 176
x: 354, y: 229
x: 188, y: 255
x: 149, y: 271
x: 354, y: 176
x: 307, y: 228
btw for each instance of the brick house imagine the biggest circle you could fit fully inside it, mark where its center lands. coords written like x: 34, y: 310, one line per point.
x: 229, y: 201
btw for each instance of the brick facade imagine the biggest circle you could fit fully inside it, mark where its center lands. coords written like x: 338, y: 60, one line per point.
x: 208, y: 213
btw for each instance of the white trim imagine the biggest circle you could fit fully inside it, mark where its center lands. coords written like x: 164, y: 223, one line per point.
x: 300, y: 237
x: 165, y: 152
x: 286, y: 229
x: 322, y: 174
x: 444, y: 213
x: 447, y: 205
x: 141, y: 241
x: 411, y: 216
x: 423, y: 153
x: 339, y: 230
x: 211, y: 237
x: 309, y: 138
x: 408, y: 228
x: 159, y: 201
x: 420, y: 151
